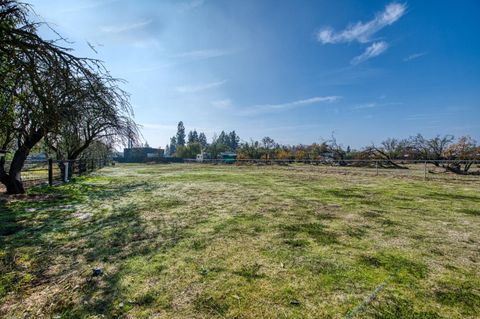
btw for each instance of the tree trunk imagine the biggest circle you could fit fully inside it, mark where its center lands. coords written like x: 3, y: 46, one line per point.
x: 12, y: 180
x: 14, y: 186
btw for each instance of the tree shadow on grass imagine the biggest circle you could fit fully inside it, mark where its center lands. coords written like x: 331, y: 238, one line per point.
x: 61, y: 250
x: 452, y: 197
x: 8, y: 221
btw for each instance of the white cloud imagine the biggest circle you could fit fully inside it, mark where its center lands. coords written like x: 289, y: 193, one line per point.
x: 223, y: 104
x: 363, y: 32
x: 372, y: 51
x: 125, y: 27
x: 414, y: 56
x: 266, y: 108
x: 199, y: 87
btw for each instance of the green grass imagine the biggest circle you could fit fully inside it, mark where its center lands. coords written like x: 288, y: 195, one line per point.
x: 199, y: 241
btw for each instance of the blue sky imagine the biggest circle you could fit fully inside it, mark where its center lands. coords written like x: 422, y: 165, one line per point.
x: 292, y: 70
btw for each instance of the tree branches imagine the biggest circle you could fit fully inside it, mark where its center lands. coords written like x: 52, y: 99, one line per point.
x: 48, y: 93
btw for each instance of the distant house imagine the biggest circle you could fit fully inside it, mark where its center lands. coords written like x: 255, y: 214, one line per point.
x: 228, y: 157
x: 142, y: 154
x: 203, y: 156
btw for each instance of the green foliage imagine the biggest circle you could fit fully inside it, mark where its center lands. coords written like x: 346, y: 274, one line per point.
x: 188, y: 151
x: 180, y: 137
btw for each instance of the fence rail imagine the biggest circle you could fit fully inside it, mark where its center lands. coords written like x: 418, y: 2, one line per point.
x: 422, y: 169
x: 343, y: 162
x: 48, y: 171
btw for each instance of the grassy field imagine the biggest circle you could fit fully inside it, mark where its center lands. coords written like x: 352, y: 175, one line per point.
x: 198, y: 241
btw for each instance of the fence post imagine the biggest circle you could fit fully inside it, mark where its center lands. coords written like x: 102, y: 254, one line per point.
x: 67, y: 169
x: 50, y: 172
x: 425, y: 170
x: 376, y: 167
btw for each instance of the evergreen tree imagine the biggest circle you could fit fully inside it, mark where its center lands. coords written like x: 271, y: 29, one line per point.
x: 234, y: 140
x: 202, y: 139
x: 195, y: 136
x: 173, y: 145
x: 180, y: 134
x: 223, y: 139
x: 192, y: 137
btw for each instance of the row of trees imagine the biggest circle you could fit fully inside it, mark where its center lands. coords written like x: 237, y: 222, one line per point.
x: 456, y: 156
x: 49, y: 96
x: 197, y: 143
x: 459, y: 153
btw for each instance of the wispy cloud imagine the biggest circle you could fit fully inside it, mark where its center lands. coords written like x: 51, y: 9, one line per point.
x: 414, y: 56
x: 203, y: 54
x: 182, y: 58
x: 223, y: 104
x: 87, y: 6
x: 374, y: 104
x: 267, y: 108
x: 363, y: 31
x: 125, y: 27
x: 199, y: 87
x: 372, y: 51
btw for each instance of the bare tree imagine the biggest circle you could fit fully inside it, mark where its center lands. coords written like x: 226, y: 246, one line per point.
x: 103, y: 114
x: 39, y: 87
x: 462, y: 156
x: 431, y: 149
x: 387, y: 152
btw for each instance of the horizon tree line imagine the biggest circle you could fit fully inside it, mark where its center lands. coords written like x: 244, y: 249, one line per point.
x: 460, y: 152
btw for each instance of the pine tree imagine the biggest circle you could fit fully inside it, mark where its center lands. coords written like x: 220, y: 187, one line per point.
x: 202, y: 139
x: 173, y: 145
x: 192, y: 137
x: 180, y: 134
x: 234, y: 140
x: 195, y: 136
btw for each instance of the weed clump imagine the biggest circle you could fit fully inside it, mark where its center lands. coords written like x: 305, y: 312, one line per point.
x: 316, y: 231
x: 250, y: 272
